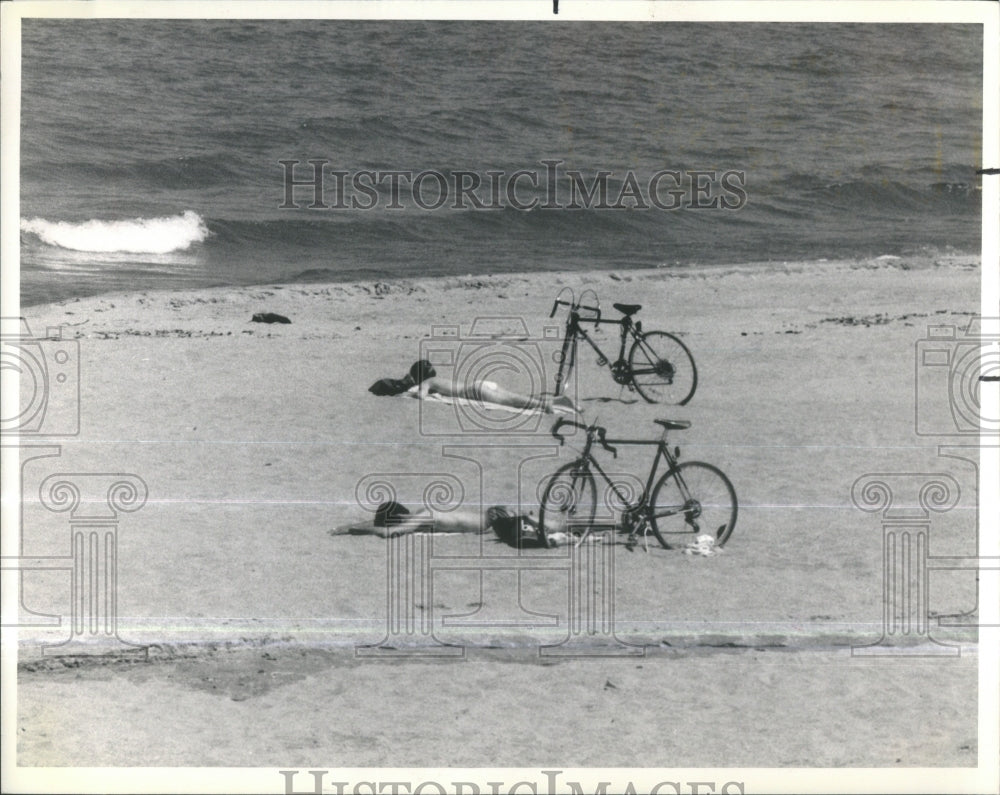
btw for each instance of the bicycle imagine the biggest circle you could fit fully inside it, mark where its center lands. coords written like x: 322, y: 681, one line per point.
x: 690, y: 498
x: 659, y: 366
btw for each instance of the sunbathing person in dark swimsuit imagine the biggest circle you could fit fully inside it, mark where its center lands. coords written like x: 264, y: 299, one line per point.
x: 513, y: 528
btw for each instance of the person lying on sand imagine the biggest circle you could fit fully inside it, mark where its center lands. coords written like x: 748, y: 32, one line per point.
x: 394, y: 519
x: 422, y: 380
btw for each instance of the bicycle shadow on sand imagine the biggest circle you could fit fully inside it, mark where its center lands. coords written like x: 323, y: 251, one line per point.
x: 621, y: 400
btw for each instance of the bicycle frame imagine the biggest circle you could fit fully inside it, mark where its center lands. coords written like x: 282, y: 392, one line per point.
x: 685, y: 487
x: 575, y: 330
x: 658, y: 365
x: 663, y: 451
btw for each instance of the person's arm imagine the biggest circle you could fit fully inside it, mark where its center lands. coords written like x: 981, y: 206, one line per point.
x: 458, y: 521
x: 420, y: 391
x: 422, y: 522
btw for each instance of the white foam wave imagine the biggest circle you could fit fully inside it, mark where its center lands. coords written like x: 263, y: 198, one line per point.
x: 131, y: 235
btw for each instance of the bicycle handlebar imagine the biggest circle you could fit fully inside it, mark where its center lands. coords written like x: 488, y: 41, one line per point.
x: 555, y: 430
x: 574, y: 307
x: 604, y: 442
x: 595, y: 432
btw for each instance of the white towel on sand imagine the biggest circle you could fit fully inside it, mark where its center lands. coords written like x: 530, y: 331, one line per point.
x: 481, y: 405
x: 704, y: 546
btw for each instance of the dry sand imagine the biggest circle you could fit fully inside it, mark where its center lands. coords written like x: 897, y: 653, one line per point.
x: 253, y: 439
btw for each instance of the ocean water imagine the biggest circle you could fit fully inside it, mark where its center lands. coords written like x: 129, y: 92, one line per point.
x: 151, y: 150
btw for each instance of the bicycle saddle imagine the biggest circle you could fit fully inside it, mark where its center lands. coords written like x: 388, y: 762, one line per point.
x: 673, y: 425
x: 628, y: 309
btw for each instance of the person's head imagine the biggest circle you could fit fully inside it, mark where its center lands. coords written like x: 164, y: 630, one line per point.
x: 390, y: 513
x: 421, y: 371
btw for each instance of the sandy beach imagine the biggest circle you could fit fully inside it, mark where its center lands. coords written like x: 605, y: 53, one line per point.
x: 255, y: 440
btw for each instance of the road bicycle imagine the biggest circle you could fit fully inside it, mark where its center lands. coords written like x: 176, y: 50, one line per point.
x: 690, y: 499
x: 659, y: 366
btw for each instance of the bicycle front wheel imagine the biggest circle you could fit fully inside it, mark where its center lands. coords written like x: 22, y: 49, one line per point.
x: 690, y: 500
x: 568, y: 502
x: 662, y: 368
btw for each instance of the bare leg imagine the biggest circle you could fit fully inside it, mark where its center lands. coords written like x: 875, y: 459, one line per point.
x: 492, y: 393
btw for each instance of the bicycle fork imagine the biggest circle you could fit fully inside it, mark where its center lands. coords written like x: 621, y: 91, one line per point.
x: 566, y: 361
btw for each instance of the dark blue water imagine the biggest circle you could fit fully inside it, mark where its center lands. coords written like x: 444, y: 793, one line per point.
x: 151, y: 150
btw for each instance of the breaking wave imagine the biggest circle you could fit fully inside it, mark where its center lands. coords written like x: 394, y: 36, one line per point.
x: 131, y: 235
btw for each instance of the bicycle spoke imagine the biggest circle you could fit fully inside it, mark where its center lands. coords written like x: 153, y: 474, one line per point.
x: 662, y: 368
x: 693, y: 499
x: 568, y: 503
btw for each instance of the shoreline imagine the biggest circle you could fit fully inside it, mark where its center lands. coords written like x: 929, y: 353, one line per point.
x: 687, y: 270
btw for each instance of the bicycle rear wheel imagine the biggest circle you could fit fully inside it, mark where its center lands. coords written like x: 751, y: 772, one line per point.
x: 690, y: 500
x: 662, y: 368
x: 568, y: 502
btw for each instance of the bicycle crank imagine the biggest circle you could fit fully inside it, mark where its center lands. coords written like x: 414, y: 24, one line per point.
x: 621, y: 372
x: 633, y: 537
